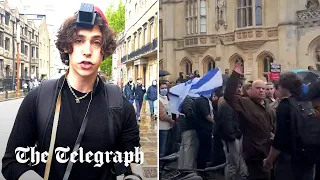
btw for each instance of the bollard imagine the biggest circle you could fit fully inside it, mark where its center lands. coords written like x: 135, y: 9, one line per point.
x: 6, y: 95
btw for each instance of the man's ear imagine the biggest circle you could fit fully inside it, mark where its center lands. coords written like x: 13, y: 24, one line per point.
x: 66, y: 51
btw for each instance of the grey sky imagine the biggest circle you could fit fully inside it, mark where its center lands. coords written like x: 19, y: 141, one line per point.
x: 62, y: 9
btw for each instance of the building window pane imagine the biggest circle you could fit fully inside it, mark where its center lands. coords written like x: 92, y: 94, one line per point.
x: 266, y: 63
x: 250, y: 16
x: 190, y: 9
x: 202, y: 7
x: 187, y: 9
x: 258, y: 14
x: 152, y: 31
x: 244, y: 13
x: 239, y: 18
x: 195, y: 8
x: 203, y: 24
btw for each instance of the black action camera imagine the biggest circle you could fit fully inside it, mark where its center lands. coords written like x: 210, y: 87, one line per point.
x: 86, y: 16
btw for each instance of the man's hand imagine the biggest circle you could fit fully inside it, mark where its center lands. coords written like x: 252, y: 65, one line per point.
x: 238, y: 68
x: 267, y: 164
x: 272, y: 136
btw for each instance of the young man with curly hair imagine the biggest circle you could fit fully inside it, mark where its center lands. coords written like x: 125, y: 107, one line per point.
x: 83, y: 99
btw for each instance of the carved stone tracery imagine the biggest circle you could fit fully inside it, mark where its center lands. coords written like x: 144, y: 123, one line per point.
x: 221, y: 14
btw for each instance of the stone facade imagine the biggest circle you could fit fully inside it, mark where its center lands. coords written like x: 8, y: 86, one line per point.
x: 11, y: 23
x: 137, y: 47
x: 203, y: 34
x: 45, y: 51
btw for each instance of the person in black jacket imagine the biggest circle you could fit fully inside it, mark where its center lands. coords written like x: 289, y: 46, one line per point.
x: 139, y: 92
x: 129, y: 91
x: 228, y: 130
x: 189, y: 140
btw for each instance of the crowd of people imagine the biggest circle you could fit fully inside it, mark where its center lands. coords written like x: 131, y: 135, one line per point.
x: 261, y: 130
x: 137, y: 93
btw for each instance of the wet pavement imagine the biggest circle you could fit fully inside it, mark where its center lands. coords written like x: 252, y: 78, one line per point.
x: 149, y: 142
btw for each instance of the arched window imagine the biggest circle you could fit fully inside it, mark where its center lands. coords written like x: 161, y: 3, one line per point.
x: 211, y: 65
x: 188, y: 67
x: 7, y: 70
x: 208, y: 64
x: 266, y: 63
x: 317, y: 55
x: 258, y: 13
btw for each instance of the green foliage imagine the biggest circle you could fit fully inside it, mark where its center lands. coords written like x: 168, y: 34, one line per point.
x: 116, y: 19
x: 106, y: 66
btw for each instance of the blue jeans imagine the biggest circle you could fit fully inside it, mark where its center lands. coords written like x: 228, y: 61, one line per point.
x: 163, y: 135
x: 138, y: 108
x: 151, y: 107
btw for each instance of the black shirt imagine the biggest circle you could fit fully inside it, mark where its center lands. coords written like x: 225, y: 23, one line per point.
x: 282, y: 140
x: 202, y: 110
x: 96, y: 136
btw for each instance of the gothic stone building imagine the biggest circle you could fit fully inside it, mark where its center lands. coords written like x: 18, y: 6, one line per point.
x: 203, y: 34
x: 10, y: 20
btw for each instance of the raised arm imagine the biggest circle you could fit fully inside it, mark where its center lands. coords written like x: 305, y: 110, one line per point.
x: 230, y: 95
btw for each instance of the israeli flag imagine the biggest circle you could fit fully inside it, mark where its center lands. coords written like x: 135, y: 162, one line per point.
x: 195, y: 88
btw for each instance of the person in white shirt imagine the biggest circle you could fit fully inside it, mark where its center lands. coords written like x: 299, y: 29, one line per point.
x: 165, y: 118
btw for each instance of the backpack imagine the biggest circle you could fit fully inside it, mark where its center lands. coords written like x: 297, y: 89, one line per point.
x: 305, y: 130
x: 188, y: 108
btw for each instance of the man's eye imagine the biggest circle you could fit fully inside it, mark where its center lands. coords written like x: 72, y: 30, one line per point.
x: 78, y: 41
x: 97, y: 43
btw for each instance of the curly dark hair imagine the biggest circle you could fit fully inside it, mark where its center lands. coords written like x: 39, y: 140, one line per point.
x: 68, y: 32
x: 291, y: 82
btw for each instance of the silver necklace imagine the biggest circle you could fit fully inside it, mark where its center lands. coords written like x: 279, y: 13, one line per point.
x: 77, y: 98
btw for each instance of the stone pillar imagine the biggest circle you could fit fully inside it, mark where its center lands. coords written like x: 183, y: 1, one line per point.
x: 287, y: 33
x: 252, y: 67
x: 155, y: 26
x: 169, y: 55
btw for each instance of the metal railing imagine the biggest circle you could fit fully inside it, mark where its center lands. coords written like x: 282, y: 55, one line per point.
x: 143, y: 50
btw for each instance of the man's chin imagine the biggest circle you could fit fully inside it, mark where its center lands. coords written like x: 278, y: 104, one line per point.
x: 87, y: 72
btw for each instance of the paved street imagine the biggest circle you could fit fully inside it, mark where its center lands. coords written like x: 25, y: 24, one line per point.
x: 8, y: 111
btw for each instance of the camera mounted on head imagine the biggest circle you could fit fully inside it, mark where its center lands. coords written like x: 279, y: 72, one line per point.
x: 88, y: 14
x: 86, y: 18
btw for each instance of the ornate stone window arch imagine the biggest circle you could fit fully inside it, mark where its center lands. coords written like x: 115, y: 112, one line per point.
x: 317, y: 56
x: 186, y: 66
x: 236, y: 58
x: 314, y: 52
x: 208, y: 64
x: 264, y: 60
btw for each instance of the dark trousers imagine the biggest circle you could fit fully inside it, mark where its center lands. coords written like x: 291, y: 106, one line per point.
x: 138, y: 108
x: 204, y: 149
x: 282, y: 168
x: 303, y: 171
x: 151, y: 105
x: 257, y: 171
x: 317, y: 172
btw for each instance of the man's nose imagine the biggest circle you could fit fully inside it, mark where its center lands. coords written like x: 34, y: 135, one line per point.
x: 86, y: 49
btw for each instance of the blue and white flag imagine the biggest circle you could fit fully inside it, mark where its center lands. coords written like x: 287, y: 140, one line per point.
x: 195, y: 88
